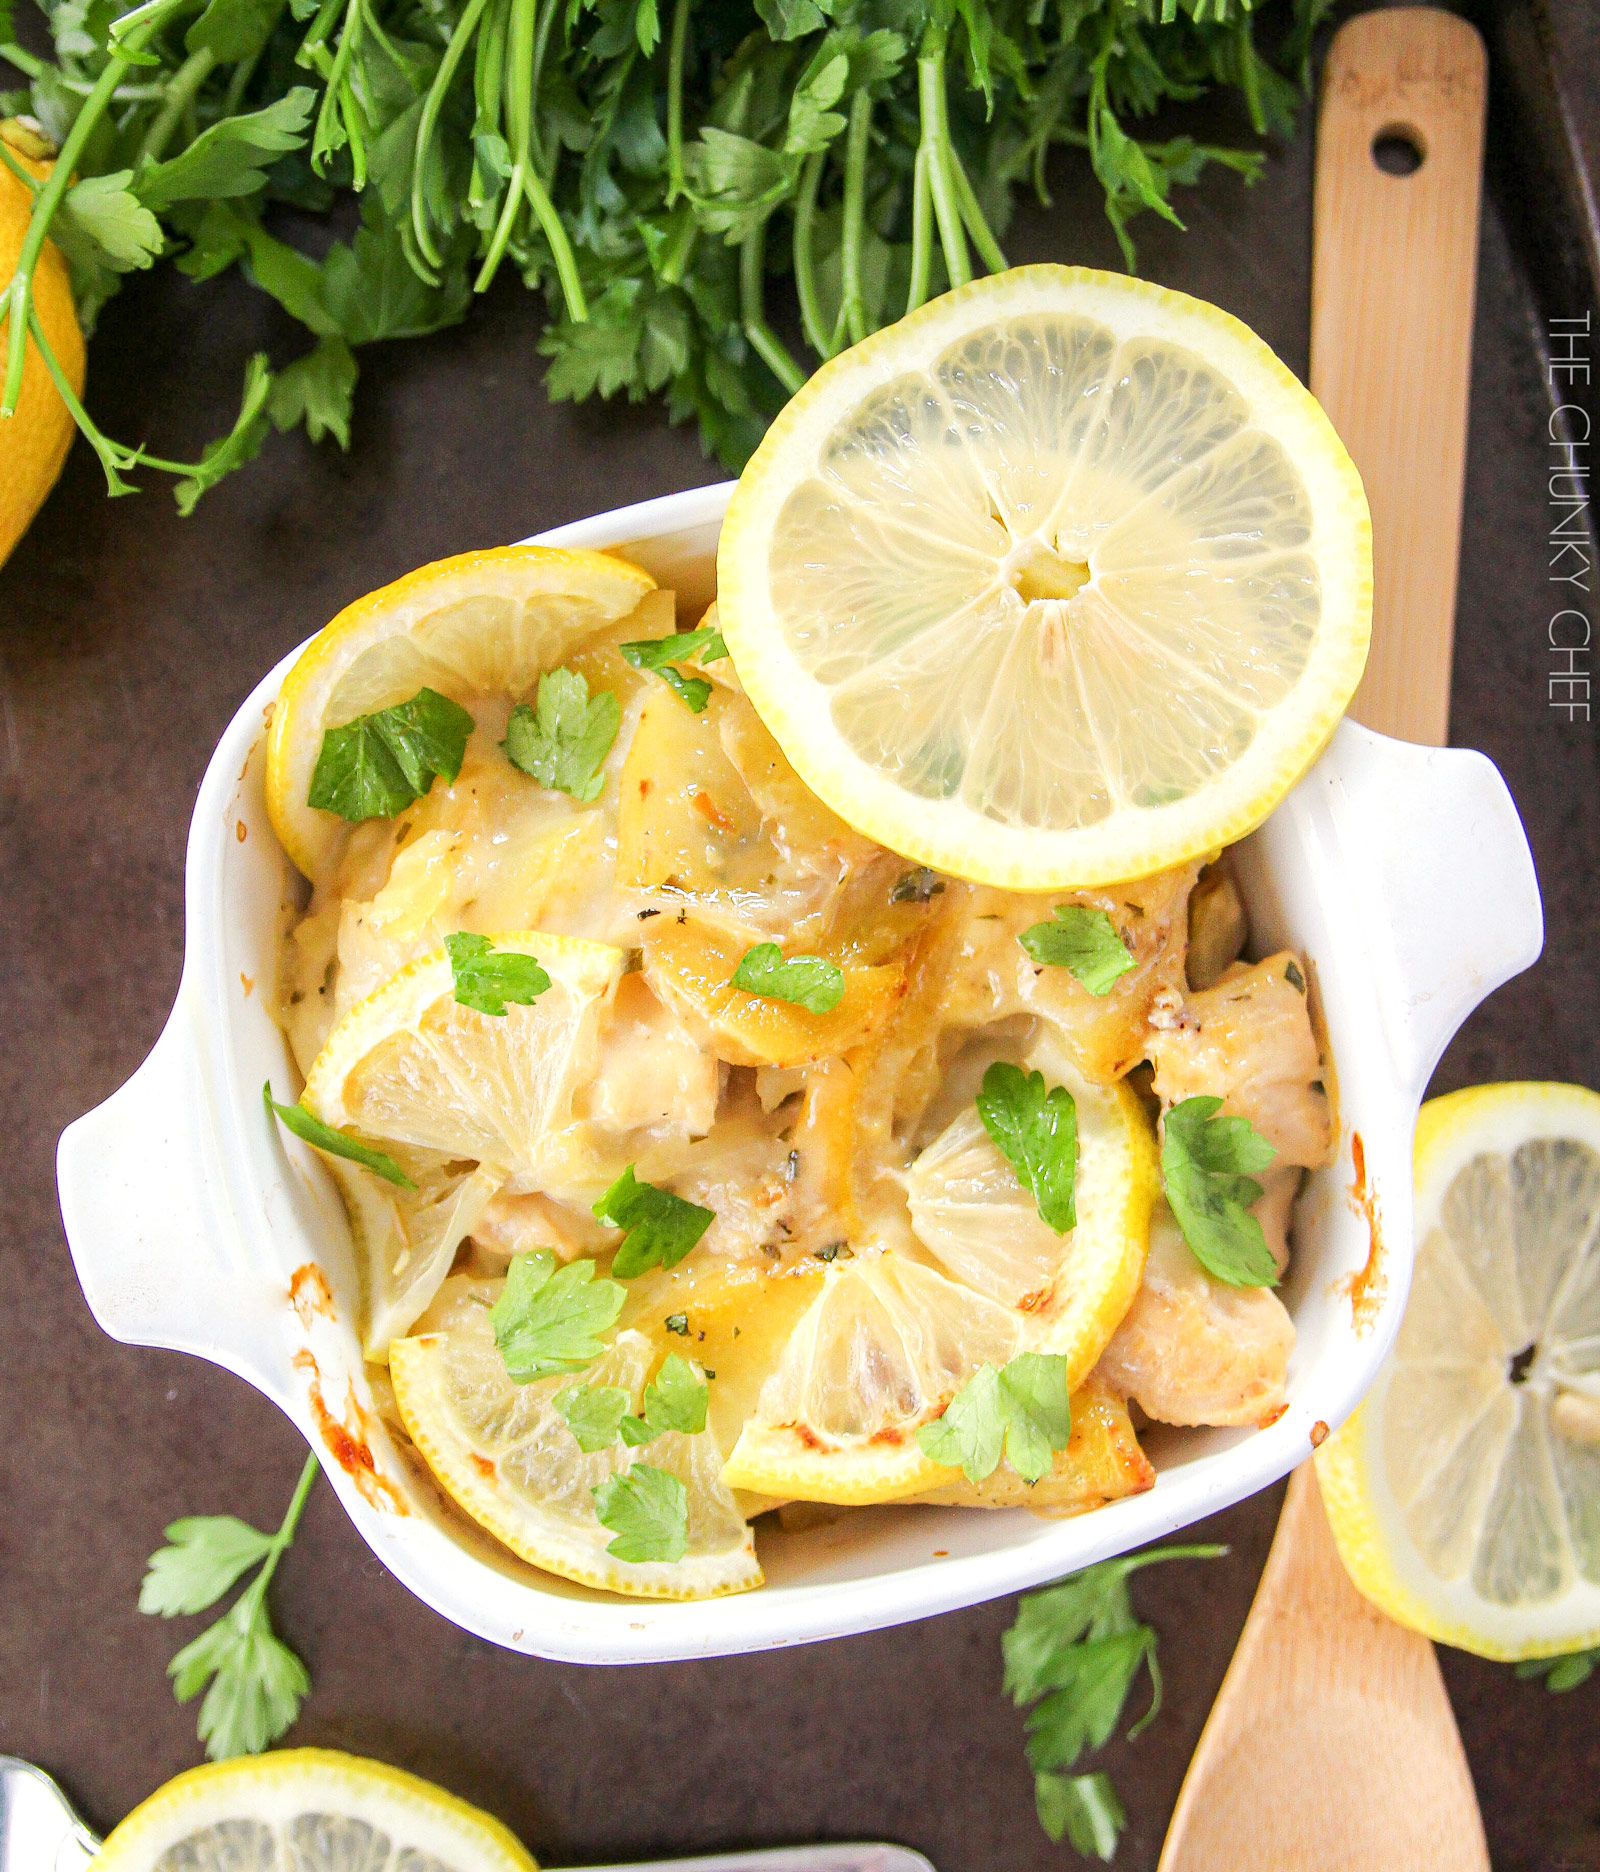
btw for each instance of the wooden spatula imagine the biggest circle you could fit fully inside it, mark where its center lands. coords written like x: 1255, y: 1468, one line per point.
x: 1332, y: 1744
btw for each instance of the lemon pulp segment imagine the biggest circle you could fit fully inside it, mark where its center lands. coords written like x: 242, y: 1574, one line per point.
x: 1064, y: 578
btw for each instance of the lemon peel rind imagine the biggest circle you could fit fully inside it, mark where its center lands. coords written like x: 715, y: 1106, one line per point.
x: 390, y: 611
x: 148, y: 1829
x: 413, y: 1368
x: 953, y: 837
x: 1373, y: 1545
x: 422, y: 982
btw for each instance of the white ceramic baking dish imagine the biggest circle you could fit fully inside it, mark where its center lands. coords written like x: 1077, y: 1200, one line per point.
x: 1401, y: 872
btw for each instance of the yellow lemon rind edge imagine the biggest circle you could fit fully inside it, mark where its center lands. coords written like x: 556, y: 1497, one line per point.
x: 1444, y: 1132
x: 412, y: 1367
x: 986, y: 850
x: 418, y: 985
x: 366, y: 621
x: 771, y: 1459
x: 148, y: 1827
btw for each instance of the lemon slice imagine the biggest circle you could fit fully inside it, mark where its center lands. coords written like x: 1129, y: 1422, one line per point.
x: 314, y: 1809
x: 481, y: 624
x: 410, y: 1065
x: 1465, y: 1492
x: 406, y: 1239
x: 1062, y: 579
x: 506, y: 1456
x: 890, y: 1340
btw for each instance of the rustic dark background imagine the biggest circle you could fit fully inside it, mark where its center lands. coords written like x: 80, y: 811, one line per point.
x: 128, y: 638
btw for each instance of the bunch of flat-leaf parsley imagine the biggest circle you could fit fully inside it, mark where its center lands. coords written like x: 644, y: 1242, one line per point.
x: 646, y: 165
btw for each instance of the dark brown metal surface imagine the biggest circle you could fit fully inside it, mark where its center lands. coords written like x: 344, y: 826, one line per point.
x: 127, y: 639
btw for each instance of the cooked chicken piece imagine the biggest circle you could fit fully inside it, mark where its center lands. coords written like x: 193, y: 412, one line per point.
x: 516, y: 1225
x: 652, y: 1075
x: 1249, y: 1042
x: 993, y: 976
x: 1193, y: 1350
x: 1278, y: 1191
x: 1218, y: 926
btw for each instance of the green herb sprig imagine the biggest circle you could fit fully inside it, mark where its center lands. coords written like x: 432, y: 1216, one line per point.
x: 1035, y: 1128
x: 1205, y: 1169
x: 1074, y: 1653
x: 549, y: 1319
x: 662, y: 655
x: 660, y: 1228
x: 1084, y: 942
x: 644, y: 169
x: 806, y: 981
x: 1021, y: 1411
x: 257, y: 1683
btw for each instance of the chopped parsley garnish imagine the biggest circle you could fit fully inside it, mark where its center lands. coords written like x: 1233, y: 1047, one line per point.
x: 1020, y: 1411
x: 376, y: 765
x: 679, y: 1323
x: 807, y: 981
x: 487, y: 978
x: 311, y: 1130
x: 1205, y: 1166
x: 1083, y: 941
x: 549, y: 1319
x: 648, y: 1511
x: 660, y: 655
x: 1074, y: 1653
x: 1036, y: 1130
x: 598, y: 1415
x: 660, y: 1228
x: 919, y: 886
x: 562, y: 742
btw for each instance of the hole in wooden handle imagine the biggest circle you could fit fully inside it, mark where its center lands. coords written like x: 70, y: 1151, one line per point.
x: 1399, y: 149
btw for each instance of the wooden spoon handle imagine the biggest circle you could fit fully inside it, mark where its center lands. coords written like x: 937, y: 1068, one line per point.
x: 1332, y: 1746
x: 1393, y: 274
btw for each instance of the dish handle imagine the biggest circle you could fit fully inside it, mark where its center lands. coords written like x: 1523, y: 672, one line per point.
x: 149, y: 1227
x: 1433, y: 840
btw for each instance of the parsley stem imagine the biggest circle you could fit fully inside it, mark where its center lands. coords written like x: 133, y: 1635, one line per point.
x: 764, y: 341
x: 502, y: 232
x: 934, y: 99
x: 921, y: 231
x: 973, y: 217
x: 525, y: 181
x: 544, y: 169
x: 192, y: 73
x: 805, y: 277
x: 30, y: 182
x: 427, y: 123
x: 113, y: 456
x: 675, y: 60
x: 24, y: 61
x: 45, y: 204
x: 291, y: 1520
x: 681, y: 243
x: 857, y: 140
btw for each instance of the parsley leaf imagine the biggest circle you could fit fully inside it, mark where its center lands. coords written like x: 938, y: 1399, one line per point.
x: 232, y: 156
x: 1562, y: 1673
x: 598, y: 1415
x: 376, y: 765
x: 1084, y: 1809
x: 1074, y: 1651
x: 549, y: 1319
x: 1021, y: 1410
x: 661, y: 654
x: 594, y: 1414
x: 1205, y: 1161
x: 660, y: 1228
x: 256, y: 1682
x: 317, y: 390
x: 563, y: 741
x: 311, y: 1130
x: 1036, y: 1131
x: 648, y: 1511
x: 675, y: 1399
x: 207, y: 1555
x: 1083, y: 941
x: 487, y: 978
x: 808, y: 981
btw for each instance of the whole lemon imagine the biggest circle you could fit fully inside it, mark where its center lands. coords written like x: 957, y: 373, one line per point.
x: 34, y: 441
